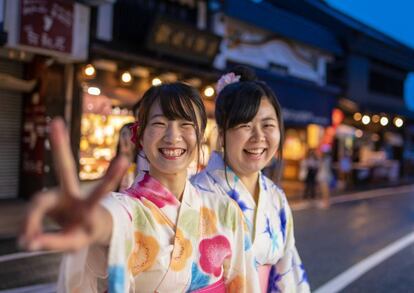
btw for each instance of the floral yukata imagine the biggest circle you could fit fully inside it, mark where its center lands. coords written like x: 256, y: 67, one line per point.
x: 270, y: 223
x: 160, y: 244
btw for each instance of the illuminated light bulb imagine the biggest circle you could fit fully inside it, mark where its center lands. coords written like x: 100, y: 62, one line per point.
x: 398, y: 122
x: 384, y: 121
x: 357, y: 116
x: 209, y: 91
x: 89, y: 70
x: 375, y: 118
x: 366, y: 119
x: 94, y: 91
x: 126, y: 77
x: 359, y: 133
x: 156, y: 81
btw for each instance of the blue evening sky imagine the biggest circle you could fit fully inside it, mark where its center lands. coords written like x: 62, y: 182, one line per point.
x: 393, y: 18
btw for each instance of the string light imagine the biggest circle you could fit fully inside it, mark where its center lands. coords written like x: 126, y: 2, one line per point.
x: 209, y: 91
x: 126, y: 77
x: 398, y: 122
x: 357, y: 116
x: 89, y: 70
x: 384, y: 121
x: 366, y: 119
x: 156, y: 81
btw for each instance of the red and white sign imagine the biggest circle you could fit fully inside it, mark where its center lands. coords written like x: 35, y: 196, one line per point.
x: 50, y: 27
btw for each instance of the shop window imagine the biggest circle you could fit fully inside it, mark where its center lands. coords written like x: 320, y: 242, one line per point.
x: 100, y: 127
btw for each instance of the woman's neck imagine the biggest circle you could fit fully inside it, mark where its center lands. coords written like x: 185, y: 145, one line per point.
x: 175, y: 183
x: 251, y: 182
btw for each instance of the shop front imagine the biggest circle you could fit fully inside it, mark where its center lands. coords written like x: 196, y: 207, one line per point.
x: 307, y: 112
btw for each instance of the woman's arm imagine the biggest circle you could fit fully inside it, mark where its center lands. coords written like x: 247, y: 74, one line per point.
x: 82, y: 219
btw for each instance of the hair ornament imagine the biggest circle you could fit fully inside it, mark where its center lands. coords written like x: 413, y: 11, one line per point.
x: 134, y: 132
x: 225, y: 80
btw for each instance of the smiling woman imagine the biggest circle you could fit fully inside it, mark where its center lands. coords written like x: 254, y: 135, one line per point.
x: 250, y: 126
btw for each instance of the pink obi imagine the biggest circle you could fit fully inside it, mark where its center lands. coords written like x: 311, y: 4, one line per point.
x: 264, y: 272
x: 217, y: 287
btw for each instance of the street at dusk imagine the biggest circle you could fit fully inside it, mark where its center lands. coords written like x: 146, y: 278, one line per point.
x: 241, y: 146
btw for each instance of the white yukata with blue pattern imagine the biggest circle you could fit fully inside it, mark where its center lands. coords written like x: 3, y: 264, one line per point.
x: 270, y: 223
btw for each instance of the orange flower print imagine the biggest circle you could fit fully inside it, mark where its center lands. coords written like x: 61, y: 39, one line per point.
x: 208, y: 222
x: 236, y: 285
x: 144, y: 253
x: 182, y: 251
x: 157, y: 215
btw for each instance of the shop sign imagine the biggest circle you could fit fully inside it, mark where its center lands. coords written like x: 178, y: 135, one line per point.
x: 177, y: 39
x: 50, y: 27
x: 303, y: 117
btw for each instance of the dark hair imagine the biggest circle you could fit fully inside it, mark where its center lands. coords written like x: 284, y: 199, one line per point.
x: 239, y: 103
x: 177, y: 101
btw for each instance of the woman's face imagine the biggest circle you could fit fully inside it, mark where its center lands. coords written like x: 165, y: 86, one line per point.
x: 250, y: 146
x: 169, y: 145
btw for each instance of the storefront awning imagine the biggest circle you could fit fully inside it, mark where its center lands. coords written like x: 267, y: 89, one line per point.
x: 303, y: 102
x: 279, y: 21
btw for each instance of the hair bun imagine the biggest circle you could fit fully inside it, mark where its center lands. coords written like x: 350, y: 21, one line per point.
x: 246, y: 73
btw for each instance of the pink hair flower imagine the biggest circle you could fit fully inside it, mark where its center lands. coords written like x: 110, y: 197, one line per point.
x: 134, y: 132
x: 225, y: 80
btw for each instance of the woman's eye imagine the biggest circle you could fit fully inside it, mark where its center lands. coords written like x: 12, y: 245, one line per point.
x: 270, y: 126
x: 188, y: 124
x: 158, y: 123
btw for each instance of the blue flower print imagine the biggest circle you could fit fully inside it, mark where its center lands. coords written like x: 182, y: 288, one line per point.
x: 198, y: 279
x: 272, y: 235
x: 236, y: 197
x: 116, y: 279
x: 274, y: 278
x: 282, y: 215
x: 304, y: 275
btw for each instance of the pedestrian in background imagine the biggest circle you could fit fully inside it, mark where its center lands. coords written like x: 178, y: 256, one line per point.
x: 324, y: 177
x: 127, y: 148
x: 310, y: 166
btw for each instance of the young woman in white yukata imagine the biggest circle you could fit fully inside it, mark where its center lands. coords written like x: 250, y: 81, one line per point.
x: 250, y: 130
x: 162, y: 234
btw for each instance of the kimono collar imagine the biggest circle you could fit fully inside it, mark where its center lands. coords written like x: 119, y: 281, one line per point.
x: 146, y: 186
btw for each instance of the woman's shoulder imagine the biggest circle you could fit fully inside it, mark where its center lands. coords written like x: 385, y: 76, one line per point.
x: 275, y: 191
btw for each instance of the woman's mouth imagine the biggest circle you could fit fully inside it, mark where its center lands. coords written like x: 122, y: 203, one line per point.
x: 255, y: 152
x: 172, y: 153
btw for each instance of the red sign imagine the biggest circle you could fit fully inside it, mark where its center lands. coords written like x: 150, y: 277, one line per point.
x: 47, y: 24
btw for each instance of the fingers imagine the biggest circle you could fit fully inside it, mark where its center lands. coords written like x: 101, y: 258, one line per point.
x: 111, y: 180
x: 62, y: 156
x: 64, y: 241
x: 33, y: 224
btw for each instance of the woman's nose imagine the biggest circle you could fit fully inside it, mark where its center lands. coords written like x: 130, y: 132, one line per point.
x: 258, y: 134
x: 173, y: 133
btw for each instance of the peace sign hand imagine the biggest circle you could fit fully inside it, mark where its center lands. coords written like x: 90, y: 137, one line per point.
x: 82, y: 219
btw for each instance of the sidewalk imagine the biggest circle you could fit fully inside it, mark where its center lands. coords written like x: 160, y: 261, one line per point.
x: 294, y: 189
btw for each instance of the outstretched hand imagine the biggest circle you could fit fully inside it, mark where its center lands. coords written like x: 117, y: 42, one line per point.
x: 82, y: 219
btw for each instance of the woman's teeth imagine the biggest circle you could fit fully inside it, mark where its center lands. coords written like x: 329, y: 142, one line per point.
x: 172, y: 152
x: 255, y: 151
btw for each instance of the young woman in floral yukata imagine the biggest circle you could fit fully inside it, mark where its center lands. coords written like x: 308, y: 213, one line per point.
x: 161, y: 234
x: 250, y: 128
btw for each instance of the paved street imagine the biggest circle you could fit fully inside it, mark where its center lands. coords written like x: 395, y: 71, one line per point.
x: 332, y: 241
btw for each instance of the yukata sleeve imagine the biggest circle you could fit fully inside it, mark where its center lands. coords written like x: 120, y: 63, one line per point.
x: 96, y: 268
x: 240, y: 272
x: 288, y: 274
